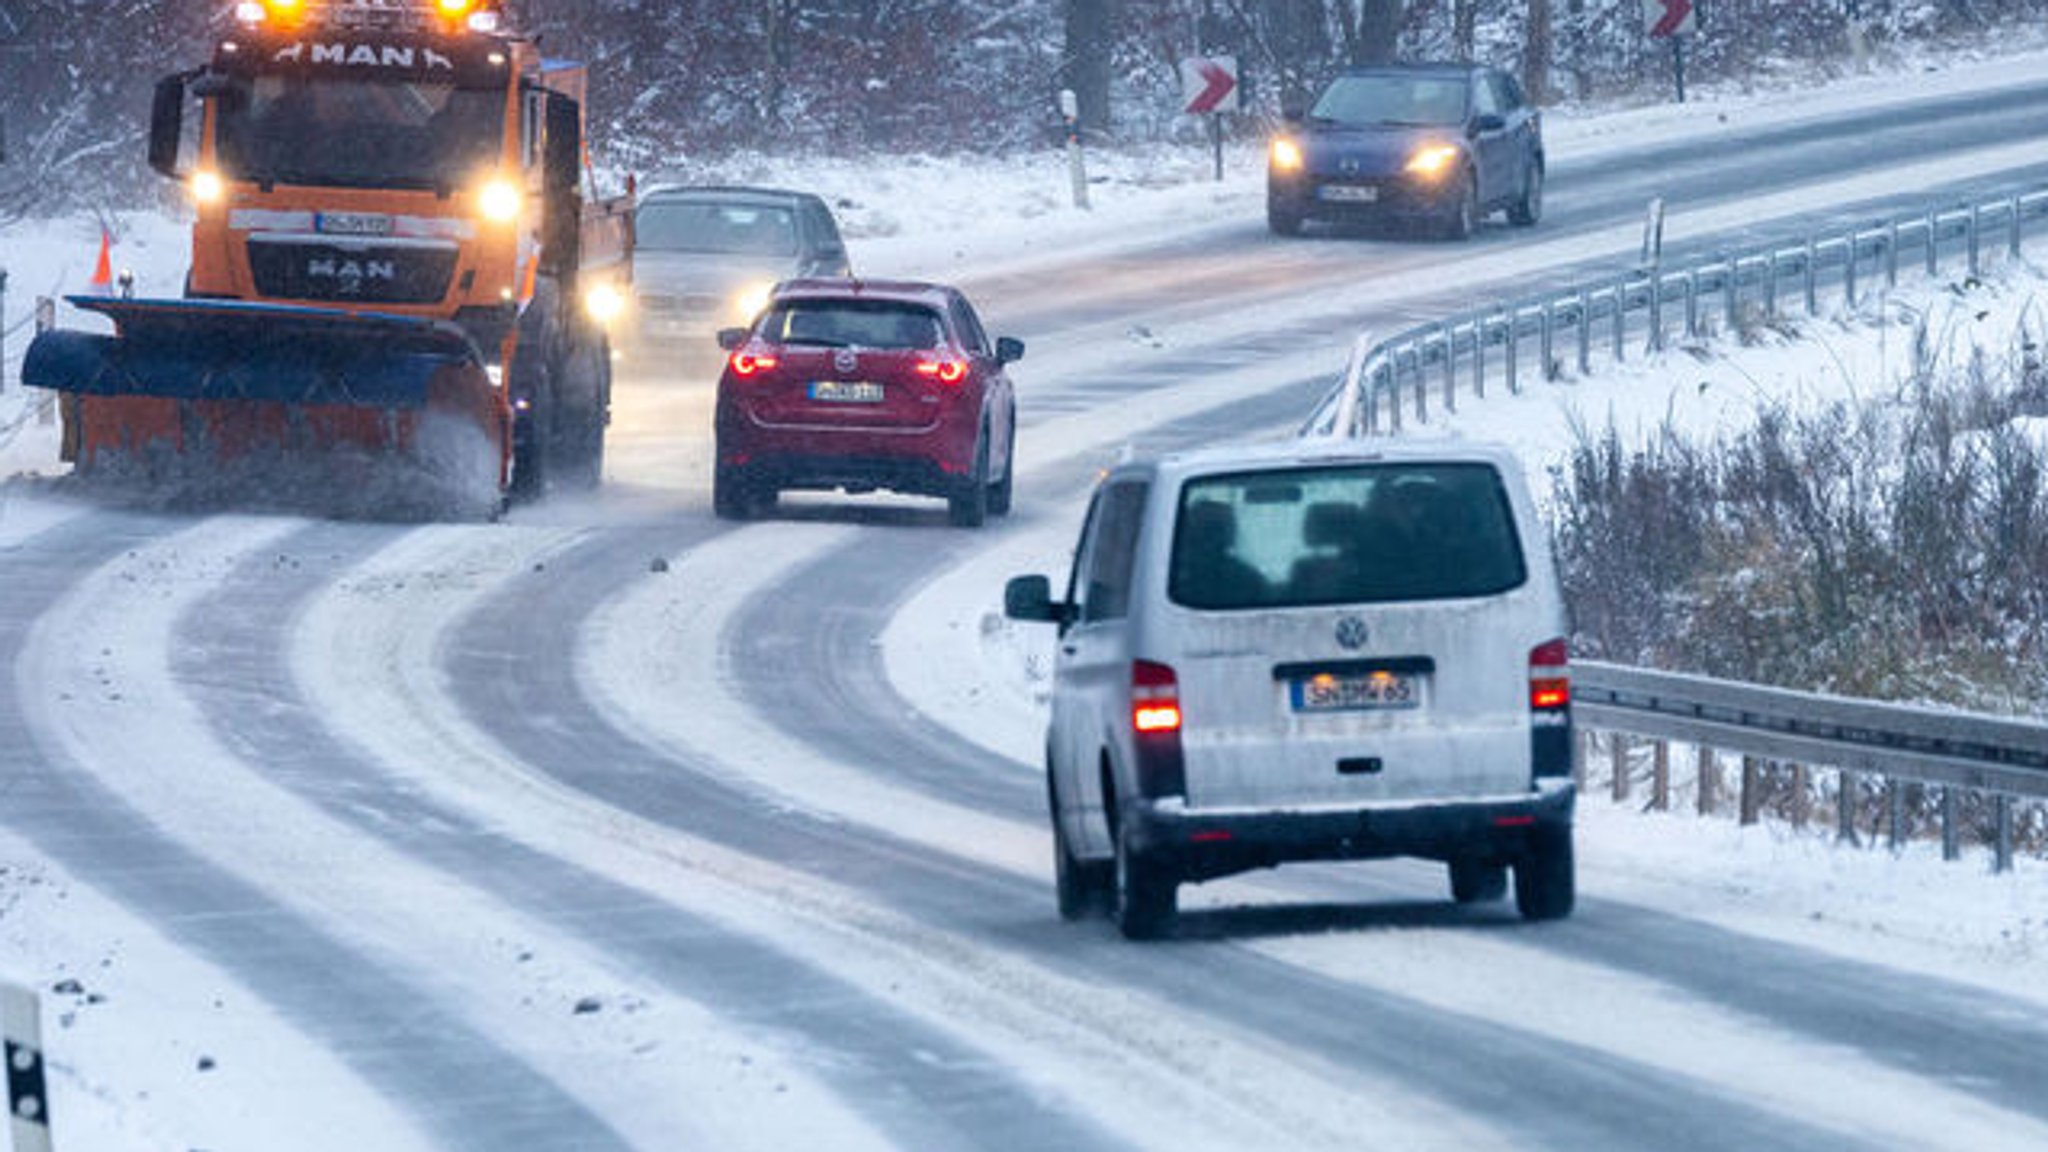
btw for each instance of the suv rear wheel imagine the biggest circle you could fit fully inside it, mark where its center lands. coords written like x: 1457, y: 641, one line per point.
x: 1463, y: 218
x: 1546, y: 879
x: 968, y: 508
x: 1528, y: 209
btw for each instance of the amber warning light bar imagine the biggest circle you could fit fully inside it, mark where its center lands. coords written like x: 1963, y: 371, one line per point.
x: 380, y: 15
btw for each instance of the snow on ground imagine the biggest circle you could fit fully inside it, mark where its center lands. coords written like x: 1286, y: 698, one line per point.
x: 932, y: 217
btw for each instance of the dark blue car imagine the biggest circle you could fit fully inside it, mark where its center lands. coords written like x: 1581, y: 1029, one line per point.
x: 1435, y: 145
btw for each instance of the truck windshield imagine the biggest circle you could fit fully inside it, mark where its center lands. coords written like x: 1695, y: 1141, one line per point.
x: 360, y: 134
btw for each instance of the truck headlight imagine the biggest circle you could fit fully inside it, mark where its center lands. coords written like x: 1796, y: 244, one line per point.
x: 499, y: 199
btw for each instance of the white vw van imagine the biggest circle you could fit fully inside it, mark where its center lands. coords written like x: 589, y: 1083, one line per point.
x: 1316, y: 650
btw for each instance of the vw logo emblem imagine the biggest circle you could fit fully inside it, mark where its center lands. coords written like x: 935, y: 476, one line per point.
x: 1348, y: 166
x: 845, y: 360
x: 1351, y: 633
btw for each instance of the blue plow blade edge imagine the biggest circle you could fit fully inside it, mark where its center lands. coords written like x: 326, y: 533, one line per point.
x: 235, y: 350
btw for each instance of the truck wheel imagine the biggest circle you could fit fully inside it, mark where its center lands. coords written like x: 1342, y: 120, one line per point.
x: 529, y: 457
x: 578, y: 449
x: 1546, y: 878
x: 1478, y: 881
x: 1145, y: 893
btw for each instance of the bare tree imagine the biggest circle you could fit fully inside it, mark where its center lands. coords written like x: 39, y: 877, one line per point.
x: 1085, y: 62
x: 1537, y: 52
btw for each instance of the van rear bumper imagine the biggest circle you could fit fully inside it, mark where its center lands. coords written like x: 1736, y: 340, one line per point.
x: 1204, y: 844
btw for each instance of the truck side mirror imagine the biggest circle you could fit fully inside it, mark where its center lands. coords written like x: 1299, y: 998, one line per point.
x: 166, y: 123
x: 561, y: 173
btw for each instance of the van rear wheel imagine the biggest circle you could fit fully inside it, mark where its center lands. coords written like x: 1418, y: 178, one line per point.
x: 1144, y: 893
x: 1546, y: 878
x: 1082, y: 887
x: 1478, y: 881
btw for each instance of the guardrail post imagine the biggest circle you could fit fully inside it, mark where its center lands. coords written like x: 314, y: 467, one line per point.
x: 1389, y: 381
x: 1421, y: 384
x: 1950, y: 849
x: 1692, y: 304
x: 1812, y: 279
x: 2001, y: 860
x: 1771, y: 275
x: 1582, y: 740
x: 1801, y: 802
x: 1585, y: 332
x: 1709, y: 780
x: 1933, y: 244
x: 1620, y: 320
x: 1895, y: 814
x: 2013, y: 241
x: 1660, y: 776
x: 1617, y: 759
x: 1450, y: 370
x: 1891, y: 253
x: 1849, y: 272
x: 1731, y: 299
x: 1479, y: 358
x: 1514, y: 354
x: 1845, y: 807
x: 1751, y: 801
x: 1976, y: 219
x: 1546, y: 318
x: 1656, y: 312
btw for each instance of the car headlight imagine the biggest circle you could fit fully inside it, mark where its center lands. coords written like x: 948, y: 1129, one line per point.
x: 1432, y: 160
x: 1284, y: 155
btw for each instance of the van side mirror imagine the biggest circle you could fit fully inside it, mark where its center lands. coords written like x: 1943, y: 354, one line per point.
x: 1030, y: 598
x: 1009, y: 349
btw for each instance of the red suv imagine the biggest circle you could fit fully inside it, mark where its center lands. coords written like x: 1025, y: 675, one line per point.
x: 866, y: 384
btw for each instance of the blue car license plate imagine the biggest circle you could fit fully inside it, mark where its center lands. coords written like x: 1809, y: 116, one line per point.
x: 846, y: 391
x: 1329, y: 692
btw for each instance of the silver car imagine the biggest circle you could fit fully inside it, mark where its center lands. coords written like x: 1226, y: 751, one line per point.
x: 704, y: 258
x: 1308, y: 652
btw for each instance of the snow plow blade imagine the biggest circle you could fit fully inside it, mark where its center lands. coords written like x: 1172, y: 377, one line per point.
x: 185, y: 387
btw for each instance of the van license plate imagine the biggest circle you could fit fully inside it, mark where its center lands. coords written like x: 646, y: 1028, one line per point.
x: 846, y: 391
x: 1368, y: 690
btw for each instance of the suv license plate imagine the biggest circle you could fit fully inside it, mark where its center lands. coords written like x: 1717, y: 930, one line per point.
x: 1355, y: 193
x: 1370, y: 690
x: 846, y: 391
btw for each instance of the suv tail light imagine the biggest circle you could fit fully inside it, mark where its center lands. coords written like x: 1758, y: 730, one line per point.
x: 1155, y: 724
x: 1550, y: 708
x: 747, y: 363
x: 944, y: 369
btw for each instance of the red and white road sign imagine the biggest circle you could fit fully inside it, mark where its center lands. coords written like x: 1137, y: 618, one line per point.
x: 1668, y: 17
x: 1209, y: 83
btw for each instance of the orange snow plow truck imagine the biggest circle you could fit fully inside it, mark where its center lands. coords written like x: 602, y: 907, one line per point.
x: 393, y: 258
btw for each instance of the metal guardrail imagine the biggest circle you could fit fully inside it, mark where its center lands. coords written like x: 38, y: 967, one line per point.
x: 1956, y: 752
x: 1435, y: 357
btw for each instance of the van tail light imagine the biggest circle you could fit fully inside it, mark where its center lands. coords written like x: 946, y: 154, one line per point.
x: 745, y: 363
x: 1155, y: 697
x: 944, y: 369
x: 1550, y: 676
x: 1550, y: 708
x: 1155, y: 723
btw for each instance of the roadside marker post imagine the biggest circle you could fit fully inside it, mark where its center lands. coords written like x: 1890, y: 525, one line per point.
x: 28, y: 1101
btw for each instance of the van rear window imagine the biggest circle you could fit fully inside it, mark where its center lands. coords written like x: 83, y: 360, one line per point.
x: 1339, y: 535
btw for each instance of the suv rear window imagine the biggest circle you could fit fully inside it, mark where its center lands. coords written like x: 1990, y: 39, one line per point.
x: 1340, y: 535
x: 851, y: 323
